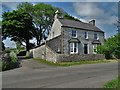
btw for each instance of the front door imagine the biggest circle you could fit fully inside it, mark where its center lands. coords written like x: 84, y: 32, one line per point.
x: 74, y: 48
x: 85, y: 48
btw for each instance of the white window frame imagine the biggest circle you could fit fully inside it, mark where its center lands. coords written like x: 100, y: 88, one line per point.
x: 97, y: 36
x: 94, y: 48
x: 86, y: 35
x: 75, y: 34
x: 73, y: 48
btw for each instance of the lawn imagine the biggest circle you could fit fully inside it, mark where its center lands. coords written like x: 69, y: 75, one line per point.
x: 115, y: 83
x: 72, y: 63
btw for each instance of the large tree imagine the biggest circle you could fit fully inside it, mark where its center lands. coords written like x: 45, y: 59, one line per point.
x: 43, y: 17
x: 18, y: 26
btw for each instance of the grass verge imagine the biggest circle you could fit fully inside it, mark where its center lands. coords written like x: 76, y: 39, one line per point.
x: 115, y: 83
x: 71, y: 63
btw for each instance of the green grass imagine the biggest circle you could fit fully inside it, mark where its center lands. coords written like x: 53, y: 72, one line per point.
x: 115, y: 83
x: 71, y: 63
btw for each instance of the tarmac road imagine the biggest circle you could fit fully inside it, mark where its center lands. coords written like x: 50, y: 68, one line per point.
x: 35, y: 75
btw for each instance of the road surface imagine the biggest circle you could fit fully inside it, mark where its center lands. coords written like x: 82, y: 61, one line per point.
x: 35, y: 75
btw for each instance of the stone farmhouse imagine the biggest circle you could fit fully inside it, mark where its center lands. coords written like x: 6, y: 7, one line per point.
x: 71, y: 40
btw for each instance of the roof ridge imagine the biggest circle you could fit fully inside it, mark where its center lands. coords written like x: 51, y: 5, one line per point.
x: 79, y: 24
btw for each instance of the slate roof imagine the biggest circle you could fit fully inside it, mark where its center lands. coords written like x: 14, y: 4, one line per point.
x: 79, y: 24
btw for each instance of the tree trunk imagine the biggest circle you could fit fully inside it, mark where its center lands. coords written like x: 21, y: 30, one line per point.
x: 27, y: 45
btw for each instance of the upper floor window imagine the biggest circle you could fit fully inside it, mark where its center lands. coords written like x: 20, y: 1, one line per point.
x: 86, y: 35
x: 96, y: 37
x: 74, y: 33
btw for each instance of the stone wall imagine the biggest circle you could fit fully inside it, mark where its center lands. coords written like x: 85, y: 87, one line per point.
x: 64, y: 58
x: 43, y: 52
x: 55, y: 30
x: 39, y: 52
x: 50, y: 55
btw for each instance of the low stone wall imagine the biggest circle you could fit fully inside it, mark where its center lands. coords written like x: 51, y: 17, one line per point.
x: 39, y: 52
x: 64, y: 58
x: 45, y: 52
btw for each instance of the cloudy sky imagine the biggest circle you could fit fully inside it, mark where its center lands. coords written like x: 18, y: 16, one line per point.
x: 105, y: 13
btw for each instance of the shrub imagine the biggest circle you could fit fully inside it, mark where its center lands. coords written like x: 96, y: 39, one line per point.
x: 11, y: 62
x: 13, y: 57
x: 111, y: 47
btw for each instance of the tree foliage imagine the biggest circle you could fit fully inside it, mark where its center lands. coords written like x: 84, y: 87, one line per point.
x: 67, y: 16
x: 30, y: 21
x: 43, y: 17
x: 18, y: 26
x: 111, y: 47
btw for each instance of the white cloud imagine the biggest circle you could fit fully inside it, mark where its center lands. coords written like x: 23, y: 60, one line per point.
x: 104, y: 18
x: 11, y: 5
x: 92, y: 11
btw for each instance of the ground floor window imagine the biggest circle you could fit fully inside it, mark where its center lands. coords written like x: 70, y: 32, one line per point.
x: 94, y: 48
x: 74, y: 48
x: 86, y: 49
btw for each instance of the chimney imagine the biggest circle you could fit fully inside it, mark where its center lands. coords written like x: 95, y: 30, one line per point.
x: 92, y: 22
x: 57, y: 15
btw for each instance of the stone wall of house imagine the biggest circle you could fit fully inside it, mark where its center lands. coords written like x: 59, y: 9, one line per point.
x: 55, y: 30
x: 67, y: 35
x: 55, y: 44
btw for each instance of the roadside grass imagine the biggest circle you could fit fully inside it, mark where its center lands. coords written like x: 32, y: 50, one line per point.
x: 72, y: 62
x: 115, y: 83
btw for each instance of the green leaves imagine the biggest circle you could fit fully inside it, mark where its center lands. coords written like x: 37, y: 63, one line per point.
x: 111, y: 47
x: 17, y: 25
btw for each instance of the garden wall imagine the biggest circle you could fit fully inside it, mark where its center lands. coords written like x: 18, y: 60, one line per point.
x: 63, y: 58
x: 48, y: 54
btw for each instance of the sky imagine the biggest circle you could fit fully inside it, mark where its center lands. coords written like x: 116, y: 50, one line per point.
x: 105, y: 14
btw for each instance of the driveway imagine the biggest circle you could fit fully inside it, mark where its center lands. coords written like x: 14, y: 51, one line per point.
x: 36, y: 75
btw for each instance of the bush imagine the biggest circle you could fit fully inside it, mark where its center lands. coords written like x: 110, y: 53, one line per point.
x: 10, y: 62
x: 13, y: 57
x: 111, y: 47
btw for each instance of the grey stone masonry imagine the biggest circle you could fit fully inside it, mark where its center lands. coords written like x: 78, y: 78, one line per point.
x: 71, y: 40
x: 55, y: 44
x: 66, y: 58
x: 67, y: 35
x: 46, y: 53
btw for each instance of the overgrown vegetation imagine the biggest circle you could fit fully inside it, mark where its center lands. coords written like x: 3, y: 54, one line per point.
x: 71, y: 63
x: 10, y: 61
x: 113, y: 84
x: 111, y: 47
